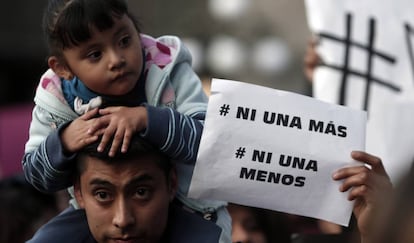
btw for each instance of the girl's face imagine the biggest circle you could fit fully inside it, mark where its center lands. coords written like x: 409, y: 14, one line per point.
x: 110, y: 62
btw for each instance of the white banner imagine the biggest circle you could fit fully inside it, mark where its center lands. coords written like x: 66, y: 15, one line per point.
x: 277, y: 150
x: 367, y: 52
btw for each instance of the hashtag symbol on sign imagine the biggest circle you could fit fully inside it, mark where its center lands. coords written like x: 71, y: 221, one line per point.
x: 224, y: 110
x: 346, y: 69
x: 240, y: 152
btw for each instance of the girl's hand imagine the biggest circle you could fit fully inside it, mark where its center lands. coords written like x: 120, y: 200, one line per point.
x: 119, y: 124
x: 75, y: 136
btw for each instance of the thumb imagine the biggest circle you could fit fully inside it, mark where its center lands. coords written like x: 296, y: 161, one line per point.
x: 90, y: 114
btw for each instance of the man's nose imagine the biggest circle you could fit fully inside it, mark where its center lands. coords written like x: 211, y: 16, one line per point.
x: 123, y: 215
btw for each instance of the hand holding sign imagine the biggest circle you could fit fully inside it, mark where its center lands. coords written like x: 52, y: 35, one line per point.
x: 277, y: 150
x: 370, y: 187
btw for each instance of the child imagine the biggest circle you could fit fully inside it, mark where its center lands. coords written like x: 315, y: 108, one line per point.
x: 140, y: 85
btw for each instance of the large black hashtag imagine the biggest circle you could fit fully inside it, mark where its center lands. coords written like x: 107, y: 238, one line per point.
x: 371, y: 51
x: 409, y: 31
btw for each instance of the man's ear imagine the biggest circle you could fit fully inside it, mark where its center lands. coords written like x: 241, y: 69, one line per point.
x: 78, y: 193
x: 173, y: 183
x: 60, y: 68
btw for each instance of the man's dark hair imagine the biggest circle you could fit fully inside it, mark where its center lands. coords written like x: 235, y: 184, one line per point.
x: 137, y: 148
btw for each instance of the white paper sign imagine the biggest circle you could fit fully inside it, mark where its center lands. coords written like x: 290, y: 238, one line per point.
x: 367, y: 48
x: 277, y: 150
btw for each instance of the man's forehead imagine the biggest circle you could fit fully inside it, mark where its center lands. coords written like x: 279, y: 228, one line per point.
x: 132, y: 161
x: 121, y: 158
x: 105, y: 181
x: 98, y: 171
x: 139, y: 152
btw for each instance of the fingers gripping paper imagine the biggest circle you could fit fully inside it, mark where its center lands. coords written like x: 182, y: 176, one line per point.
x: 277, y: 150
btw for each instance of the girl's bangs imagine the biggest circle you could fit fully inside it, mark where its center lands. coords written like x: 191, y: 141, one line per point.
x: 74, y: 25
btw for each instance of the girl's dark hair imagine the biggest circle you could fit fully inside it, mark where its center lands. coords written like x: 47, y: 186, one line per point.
x: 68, y: 23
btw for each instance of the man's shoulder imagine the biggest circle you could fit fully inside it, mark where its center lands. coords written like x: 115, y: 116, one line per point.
x: 68, y: 227
x: 187, y: 227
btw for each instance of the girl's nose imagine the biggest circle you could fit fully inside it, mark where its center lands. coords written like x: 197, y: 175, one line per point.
x: 117, y: 60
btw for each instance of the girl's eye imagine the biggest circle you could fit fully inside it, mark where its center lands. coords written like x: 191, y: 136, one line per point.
x: 94, y: 56
x: 125, y: 41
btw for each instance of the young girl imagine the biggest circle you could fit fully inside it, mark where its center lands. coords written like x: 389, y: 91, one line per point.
x: 108, y: 80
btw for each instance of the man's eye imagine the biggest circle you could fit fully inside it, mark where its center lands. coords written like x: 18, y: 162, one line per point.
x: 102, y: 196
x: 143, y: 193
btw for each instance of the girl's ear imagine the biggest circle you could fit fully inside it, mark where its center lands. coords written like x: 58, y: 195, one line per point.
x: 61, y: 69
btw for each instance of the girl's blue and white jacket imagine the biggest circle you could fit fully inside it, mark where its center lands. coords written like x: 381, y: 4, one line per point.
x: 176, y: 106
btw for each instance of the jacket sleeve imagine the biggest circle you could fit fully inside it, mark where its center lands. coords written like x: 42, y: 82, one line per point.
x: 44, y: 164
x: 178, y: 132
x: 190, y: 97
x: 175, y: 134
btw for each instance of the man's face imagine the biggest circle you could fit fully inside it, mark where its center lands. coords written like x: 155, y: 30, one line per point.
x: 126, y: 201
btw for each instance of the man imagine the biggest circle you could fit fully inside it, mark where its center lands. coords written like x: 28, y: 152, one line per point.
x: 129, y: 198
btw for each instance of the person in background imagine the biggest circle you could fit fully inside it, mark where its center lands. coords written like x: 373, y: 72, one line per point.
x: 311, y: 59
x: 370, y: 187
x: 23, y: 209
x: 256, y: 225
x: 367, y: 184
x: 393, y: 218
